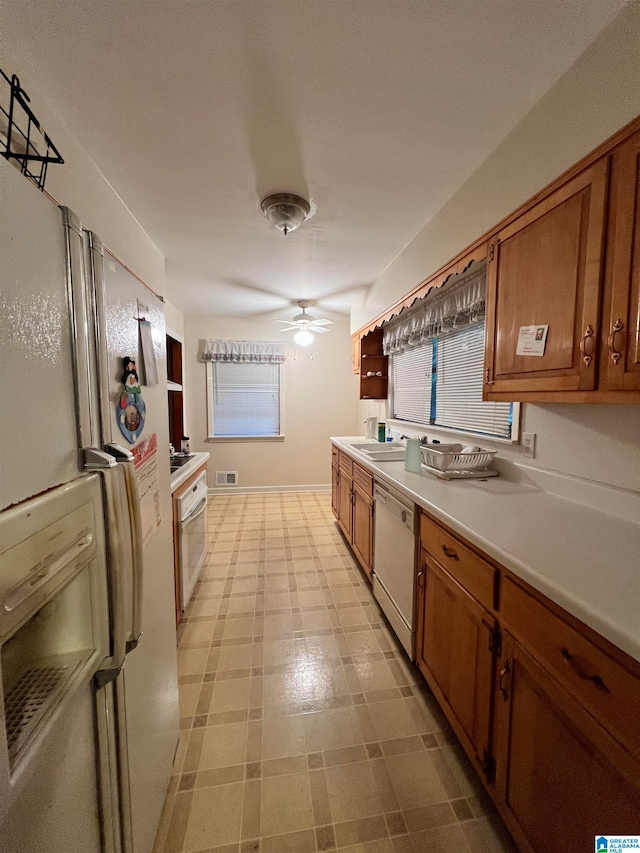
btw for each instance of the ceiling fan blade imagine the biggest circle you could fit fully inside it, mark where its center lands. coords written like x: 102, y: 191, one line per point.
x: 281, y: 321
x: 319, y: 329
x: 323, y: 321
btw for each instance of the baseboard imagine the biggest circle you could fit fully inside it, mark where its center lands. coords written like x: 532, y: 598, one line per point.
x: 254, y: 490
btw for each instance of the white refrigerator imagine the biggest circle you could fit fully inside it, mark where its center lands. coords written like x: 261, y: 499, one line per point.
x: 88, y: 688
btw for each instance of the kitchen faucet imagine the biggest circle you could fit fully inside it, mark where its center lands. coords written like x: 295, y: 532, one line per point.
x: 423, y: 439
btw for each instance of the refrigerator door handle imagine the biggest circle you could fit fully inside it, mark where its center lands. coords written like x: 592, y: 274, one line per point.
x: 125, y: 459
x: 98, y: 309
x: 113, y: 479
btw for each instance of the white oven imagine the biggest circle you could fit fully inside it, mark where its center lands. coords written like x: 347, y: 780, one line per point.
x: 192, y: 536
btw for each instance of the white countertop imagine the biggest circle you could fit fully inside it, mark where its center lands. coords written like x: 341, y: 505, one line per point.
x: 584, y: 559
x: 182, y: 474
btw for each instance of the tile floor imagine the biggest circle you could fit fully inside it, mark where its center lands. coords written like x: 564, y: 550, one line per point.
x: 303, y: 726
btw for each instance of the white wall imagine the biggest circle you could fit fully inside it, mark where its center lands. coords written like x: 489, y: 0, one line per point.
x: 320, y: 398
x: 596, y: 97
x: 80, y: 185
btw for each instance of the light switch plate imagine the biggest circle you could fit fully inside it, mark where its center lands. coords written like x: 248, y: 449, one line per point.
x: 529, y: 444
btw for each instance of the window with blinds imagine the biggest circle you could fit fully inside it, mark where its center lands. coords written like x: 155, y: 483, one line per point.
x: 245, y: 399
x: 440, y: 383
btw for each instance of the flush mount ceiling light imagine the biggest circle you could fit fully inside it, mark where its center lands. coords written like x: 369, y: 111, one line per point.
x: 304, y: 324
x: 285, y: 212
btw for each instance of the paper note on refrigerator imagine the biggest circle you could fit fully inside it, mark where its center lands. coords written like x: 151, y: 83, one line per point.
x: 146, y: 467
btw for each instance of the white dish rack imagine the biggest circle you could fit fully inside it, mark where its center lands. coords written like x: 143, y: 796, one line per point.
x: 452, y: 462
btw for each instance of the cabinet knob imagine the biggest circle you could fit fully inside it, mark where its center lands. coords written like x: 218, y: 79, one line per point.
x: 614, y: 355
x: 449, y: 552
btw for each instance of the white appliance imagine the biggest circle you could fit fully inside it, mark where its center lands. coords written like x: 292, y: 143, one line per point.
x: 192, y: 536
x: 88, y: 689
x: 394, y: 556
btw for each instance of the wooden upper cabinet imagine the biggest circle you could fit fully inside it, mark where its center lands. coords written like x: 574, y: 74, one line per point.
x: 545, y: 270
x: 355, y: 354
x: 620, y: 365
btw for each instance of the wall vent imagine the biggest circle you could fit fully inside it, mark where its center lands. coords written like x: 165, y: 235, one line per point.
x: 226, y: 478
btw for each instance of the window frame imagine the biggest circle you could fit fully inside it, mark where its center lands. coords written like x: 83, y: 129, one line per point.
x: 211, y: 437
x: 449, y: 430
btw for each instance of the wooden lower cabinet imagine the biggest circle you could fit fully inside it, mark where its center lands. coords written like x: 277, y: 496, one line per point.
x: 548, y: 710
x: 335, y: 483
x: 352, y: 505
x: 455, y: 654
x: 345, y: 503
x: 561, y: 780
x: 362, y: 528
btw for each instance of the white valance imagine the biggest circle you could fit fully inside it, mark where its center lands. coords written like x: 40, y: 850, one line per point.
x: 258, y: 352
x: 458, y: 303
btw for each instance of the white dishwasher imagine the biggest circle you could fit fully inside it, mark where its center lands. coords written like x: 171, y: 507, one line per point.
x: 192, y: 536
x: 394, y: 560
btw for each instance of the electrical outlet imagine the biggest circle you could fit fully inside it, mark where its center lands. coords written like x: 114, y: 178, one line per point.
x: 528, y: 444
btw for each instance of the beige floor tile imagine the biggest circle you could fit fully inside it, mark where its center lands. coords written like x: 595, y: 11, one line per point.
x: 316, y: 619
x: 241, y: 627
x: 392, y: 719
x: 344, y: 595
x: 415, y: 779
x: 281, y: 624
x: 352, y: 792
x: 283, y: 737
x: 230, y: 695
x: 214, y: 818
x: 443, y: 839
x: 277, y: 601
x: 374, y: 674
x: 192, y: 661
x: 235, y: 657
x: 286, y: 804
x: 338, y: 727
x: 223, y: 746
x: 198, y: 632
x: 312, y: 598
x: 188, y: 699
x: 280, y: 652
x: 242, y: 603
x: 363, y: 642
x: 382, y: 845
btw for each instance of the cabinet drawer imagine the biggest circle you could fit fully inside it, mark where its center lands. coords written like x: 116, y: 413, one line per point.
x: 346, y: 463
x: 476, y: 575
x: 602, y: 685
x: 363, y: 479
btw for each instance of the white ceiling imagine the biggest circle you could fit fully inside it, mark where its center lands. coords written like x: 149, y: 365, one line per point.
x: 375, y: 110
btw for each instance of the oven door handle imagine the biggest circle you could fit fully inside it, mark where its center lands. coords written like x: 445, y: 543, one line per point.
x: 200, y: 508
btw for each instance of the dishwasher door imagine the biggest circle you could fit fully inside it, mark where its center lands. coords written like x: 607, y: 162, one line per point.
x: 394, y: 561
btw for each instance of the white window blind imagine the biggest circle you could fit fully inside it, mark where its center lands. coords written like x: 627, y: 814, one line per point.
x: 459, y: 379
x: 412, y: 383
x: 245, y: 399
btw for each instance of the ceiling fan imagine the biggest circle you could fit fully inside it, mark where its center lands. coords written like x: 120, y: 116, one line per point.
x: 304, y: 324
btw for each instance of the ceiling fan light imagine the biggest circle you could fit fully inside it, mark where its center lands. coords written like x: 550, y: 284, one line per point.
x: 285, y: 211
x: 303, y: 337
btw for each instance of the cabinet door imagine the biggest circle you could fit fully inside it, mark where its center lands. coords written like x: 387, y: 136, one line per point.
x: 560, y: 779
x: 355, y: 354
x: 454, y: 656
x: 621, y: 353
x: 335, y: 485
x: 362, y: 533
x: 345, y: 506
x: 545, y: 270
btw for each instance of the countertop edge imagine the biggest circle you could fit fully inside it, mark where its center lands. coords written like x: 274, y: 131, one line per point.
x: 620, y: 636
x: 182, y: 474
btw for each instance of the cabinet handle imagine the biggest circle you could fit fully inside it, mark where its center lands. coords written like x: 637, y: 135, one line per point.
x: 588, y: 335
x: 613, y: 354
x: 487, y: 377
x: 570, y: 661
x: 504, y: 672
x: 421, y: 578
x: 449, y: 552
